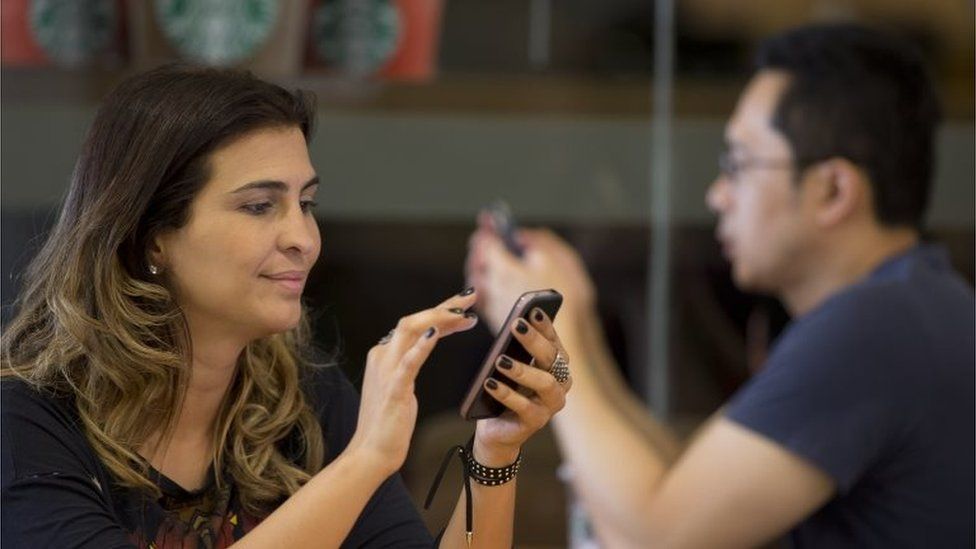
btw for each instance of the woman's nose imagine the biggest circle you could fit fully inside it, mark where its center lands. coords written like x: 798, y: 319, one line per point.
x: 299, y: 232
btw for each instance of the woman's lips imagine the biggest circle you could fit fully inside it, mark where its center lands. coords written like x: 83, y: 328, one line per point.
x: 293, y: 281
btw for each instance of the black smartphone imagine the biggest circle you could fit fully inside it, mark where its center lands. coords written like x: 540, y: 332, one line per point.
x: 505, y: 225
x: 478, y: 404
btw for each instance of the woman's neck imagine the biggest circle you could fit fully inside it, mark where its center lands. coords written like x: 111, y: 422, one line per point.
x: 184, y: 453
x: 213, y: 367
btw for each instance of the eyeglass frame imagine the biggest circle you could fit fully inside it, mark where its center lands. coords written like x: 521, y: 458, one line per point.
x: 731, y: 168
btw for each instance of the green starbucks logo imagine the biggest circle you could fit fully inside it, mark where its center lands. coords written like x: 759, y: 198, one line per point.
x: 73, y: 33
x: 217, y: 32
x: 357, y: 35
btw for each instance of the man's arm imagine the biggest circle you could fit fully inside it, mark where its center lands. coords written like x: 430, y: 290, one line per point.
x: 734, y: 488
x: 606, y: 375
x: 730, y: 488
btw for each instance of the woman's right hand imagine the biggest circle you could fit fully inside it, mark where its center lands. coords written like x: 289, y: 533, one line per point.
x: 388, y: 405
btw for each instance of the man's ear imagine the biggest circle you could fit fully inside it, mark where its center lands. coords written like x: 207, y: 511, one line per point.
x: 842, y: 191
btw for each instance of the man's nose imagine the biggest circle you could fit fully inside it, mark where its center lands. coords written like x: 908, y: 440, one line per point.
x: 719, y: 196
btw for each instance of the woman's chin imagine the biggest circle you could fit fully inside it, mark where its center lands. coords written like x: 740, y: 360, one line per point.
x: 281, y: 323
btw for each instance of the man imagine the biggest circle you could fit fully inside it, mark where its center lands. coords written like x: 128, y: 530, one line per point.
x: 859, y: 430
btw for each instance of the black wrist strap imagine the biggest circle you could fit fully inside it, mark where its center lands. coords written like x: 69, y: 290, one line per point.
x: 460, y: 450
x: 471, y: 469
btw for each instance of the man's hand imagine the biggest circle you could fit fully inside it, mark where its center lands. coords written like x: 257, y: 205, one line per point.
x: 549, y: 262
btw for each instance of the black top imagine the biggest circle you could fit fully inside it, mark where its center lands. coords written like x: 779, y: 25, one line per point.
x: 57, y: 493
x: 877, y: 389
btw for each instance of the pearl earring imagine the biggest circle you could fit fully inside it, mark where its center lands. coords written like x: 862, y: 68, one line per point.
x: 153, y: 269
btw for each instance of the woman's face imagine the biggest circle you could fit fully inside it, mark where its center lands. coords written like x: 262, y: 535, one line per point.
x: 239, y: 265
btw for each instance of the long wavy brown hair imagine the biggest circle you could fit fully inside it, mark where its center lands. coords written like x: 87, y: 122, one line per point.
x: 93, y: 324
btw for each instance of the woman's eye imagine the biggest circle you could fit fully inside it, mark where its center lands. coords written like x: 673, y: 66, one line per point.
x: 257, y: 209
x: 308, y: 205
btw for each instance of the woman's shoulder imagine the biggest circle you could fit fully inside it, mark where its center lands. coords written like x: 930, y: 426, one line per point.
x: 22, y: 401
x: 326, y: 386
x: 42, y: 433
x: 335, y: 402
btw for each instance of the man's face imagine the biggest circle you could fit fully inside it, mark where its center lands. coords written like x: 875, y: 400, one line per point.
x: 762, y: 217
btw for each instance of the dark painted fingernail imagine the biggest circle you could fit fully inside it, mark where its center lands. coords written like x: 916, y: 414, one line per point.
x: 505, y: 363
x: 470, y: 314
x: 467, y: 291
x: 456, y: 310
x: 491, y: 384
x: 521, y: 327
x: 538, y: 316
x: 430, y: 332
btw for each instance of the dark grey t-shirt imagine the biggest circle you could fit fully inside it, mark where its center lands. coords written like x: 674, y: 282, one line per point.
x: 876, y: 387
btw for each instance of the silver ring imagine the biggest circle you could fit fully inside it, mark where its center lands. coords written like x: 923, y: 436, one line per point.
x: 386, y: 339
x: 560, y: 368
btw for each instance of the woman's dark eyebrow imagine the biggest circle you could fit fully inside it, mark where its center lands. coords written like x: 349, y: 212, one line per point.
x: 277, y: 186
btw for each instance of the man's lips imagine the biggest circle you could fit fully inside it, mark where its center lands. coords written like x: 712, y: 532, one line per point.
x: 725, y: 241
x: 728, y: 250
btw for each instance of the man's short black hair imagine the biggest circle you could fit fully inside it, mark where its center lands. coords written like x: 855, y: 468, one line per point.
x: 863, y: 95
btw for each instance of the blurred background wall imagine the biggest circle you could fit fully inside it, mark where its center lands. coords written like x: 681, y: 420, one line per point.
x: 431, y: 109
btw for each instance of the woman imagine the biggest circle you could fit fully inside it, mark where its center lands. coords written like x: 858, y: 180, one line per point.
x: 156, y: 391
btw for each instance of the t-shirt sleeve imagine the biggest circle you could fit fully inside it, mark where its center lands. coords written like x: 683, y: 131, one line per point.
x: 52, y: 493
x: 390, y: 518
x: 831, y: 391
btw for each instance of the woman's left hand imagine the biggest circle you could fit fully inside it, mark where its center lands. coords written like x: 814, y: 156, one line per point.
x: 498, y: 440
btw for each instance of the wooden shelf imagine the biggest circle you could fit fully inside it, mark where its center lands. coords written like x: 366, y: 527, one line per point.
x: 500, y: 94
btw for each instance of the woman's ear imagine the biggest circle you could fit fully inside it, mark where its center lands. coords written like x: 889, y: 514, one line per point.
x: 155, y: 258
x: 844, y: 192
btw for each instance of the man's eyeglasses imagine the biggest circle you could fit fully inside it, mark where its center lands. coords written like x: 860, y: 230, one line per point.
x: 732, y: 167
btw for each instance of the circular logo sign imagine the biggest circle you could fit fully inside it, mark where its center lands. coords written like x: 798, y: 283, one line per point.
x: 217, y: 32
x: 72, y: 32
x: 357, y: 35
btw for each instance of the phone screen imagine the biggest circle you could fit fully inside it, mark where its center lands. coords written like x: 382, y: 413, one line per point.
x: 478, y: 404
